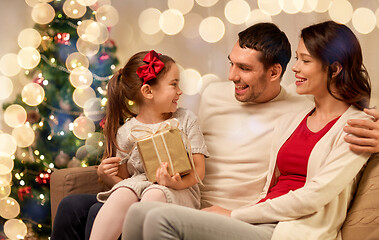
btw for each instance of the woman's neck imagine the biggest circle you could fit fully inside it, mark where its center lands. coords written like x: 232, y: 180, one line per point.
x: 326, y: 109
x: 150, y: 116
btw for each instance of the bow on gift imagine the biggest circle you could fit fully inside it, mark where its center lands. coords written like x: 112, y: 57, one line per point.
x: 139, y: 132
x: 152, y: 67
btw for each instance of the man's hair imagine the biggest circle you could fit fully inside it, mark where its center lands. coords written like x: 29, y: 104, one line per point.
x: 268, y: 39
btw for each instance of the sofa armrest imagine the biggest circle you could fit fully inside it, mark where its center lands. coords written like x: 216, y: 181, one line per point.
x: 362, y: 220
x: 64, y: 182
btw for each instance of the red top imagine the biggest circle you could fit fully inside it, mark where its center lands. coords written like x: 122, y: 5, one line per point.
x: 292, y: 159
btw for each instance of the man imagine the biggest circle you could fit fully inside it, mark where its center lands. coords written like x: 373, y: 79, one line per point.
x: 237, y: 123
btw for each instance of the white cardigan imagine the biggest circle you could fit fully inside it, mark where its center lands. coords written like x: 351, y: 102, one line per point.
x: 317, y: 210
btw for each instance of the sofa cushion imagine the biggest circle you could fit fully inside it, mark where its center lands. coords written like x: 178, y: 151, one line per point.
x: 362, y: 221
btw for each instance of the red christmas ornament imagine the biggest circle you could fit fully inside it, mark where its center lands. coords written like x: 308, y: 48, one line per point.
x: 102, y: 123
x: 43, y: 178
x: 62, y: 38
x: 104, y: 57
x: 24, y: 191
x: 38, y: 80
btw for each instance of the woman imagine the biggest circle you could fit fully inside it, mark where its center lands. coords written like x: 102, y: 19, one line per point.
x: 312, y: 174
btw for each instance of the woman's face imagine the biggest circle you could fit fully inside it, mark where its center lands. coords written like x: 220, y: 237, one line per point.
x: 311, y: 76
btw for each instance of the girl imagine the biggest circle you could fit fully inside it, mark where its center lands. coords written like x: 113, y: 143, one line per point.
x: 151, y: 81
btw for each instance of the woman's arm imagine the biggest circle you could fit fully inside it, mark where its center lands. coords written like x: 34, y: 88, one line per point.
x: 177, y: 182
x: 337, y: 171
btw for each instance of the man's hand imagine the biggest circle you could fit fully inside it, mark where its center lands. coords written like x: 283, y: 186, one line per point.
x: 218, y: 210
x: 365, y: 136
x: 108, y: 167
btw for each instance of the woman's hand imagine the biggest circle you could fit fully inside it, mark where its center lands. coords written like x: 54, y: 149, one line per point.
x: 365, y: 133
x: 218, y: 210
x: 164, y: 179
x: 108, y: 167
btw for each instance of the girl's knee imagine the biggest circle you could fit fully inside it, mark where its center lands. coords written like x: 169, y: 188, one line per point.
x: 154, y: 194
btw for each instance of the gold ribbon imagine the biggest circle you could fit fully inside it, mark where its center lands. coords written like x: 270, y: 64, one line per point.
x: 139, y: 132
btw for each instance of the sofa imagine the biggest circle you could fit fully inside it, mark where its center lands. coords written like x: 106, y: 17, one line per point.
x: 362, y: 221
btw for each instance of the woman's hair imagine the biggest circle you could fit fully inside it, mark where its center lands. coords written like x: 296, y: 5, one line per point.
x: 331, y: 42
x: 124, y: 86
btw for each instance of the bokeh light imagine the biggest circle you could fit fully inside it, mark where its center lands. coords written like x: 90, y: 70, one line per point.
x: 191, y: 26
x: 6, y: 163
x: 257, y: 16
x: 171, y: 21
x: 24, y: 136
x: 5, y: 191
x: 87, y: 48
x: 75, y: 60
x: 83, y: 127
x: 7, y: 144
x: 82, y: 27
x: 73, y: 9
x: 212, y: 29
x: 9, y: 65
x: 107, y: 15
x: 28, y: 57
x: 15, y: 115
x: 29, y: 37
x: 32, y: 3
x: 5, y: 179
x: 208, y: 79
x: 32, y: 94
x: 183, y: 6
x: 15, y: 229
x: 86, y: 151
x: 206, y: 3
x: 340, y: 11
x: 291, y: 6
x: 81, y: 96
x: 87, y: 2
x: 364, y: 20
x: 93, y: 109
x: 9, y: 208
x: 96, y: 32
x: 309, y: 6
x: 43, y: 13
x: 237, y: 11
x: 271, y: 7
x: 323, y: 6
x: 190, y: 81
x: 148, y: 21
x: 377, y: 17
x: 81, y: 77
x: 152, y: 39
x: 6, y: 87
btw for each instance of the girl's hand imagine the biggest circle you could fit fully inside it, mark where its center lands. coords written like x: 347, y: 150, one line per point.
x: 108, y: 167
x: 218, y: 210
x: 164, y: 179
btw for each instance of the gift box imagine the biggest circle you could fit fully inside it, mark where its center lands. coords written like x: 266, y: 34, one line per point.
x: 166, y: 146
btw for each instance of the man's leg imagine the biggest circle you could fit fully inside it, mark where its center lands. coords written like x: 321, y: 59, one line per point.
x: 70, y: 220
x: 176, y: 222
x: 91, y: 218
x: 135, y: 217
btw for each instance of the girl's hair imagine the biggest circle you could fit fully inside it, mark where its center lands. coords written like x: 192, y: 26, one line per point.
x: 125, y: 85
x: 331, y: 42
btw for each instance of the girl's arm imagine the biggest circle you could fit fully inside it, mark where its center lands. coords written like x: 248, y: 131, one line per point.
x: 110, y: 172
x: 176, y: 182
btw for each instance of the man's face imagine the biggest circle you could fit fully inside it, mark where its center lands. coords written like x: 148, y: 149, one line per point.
x: 248, y: 74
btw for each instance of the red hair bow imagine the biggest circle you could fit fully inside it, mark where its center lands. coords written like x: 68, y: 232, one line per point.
x: 152, y: 67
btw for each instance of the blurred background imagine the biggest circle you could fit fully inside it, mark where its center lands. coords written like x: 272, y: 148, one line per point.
x: 57, y: 55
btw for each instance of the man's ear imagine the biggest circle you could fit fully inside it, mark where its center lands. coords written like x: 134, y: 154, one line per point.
x: 146, y: 91
x: 276, y: 72
x: 336, y: 68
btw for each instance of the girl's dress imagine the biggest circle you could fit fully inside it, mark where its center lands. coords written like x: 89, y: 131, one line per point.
x: 188, y: 124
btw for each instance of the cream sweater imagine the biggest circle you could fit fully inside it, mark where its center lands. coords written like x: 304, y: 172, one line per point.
x: 317, y: 210
x: 238, y: 136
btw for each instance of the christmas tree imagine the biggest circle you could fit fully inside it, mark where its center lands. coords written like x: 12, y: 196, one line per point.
x: 57, y: 118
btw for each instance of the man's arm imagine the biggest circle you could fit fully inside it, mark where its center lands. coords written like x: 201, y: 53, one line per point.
x: 365, y: 134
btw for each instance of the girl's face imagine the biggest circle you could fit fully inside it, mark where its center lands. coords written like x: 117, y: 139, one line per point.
x: 310, y: 74
x: 167, y: 92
